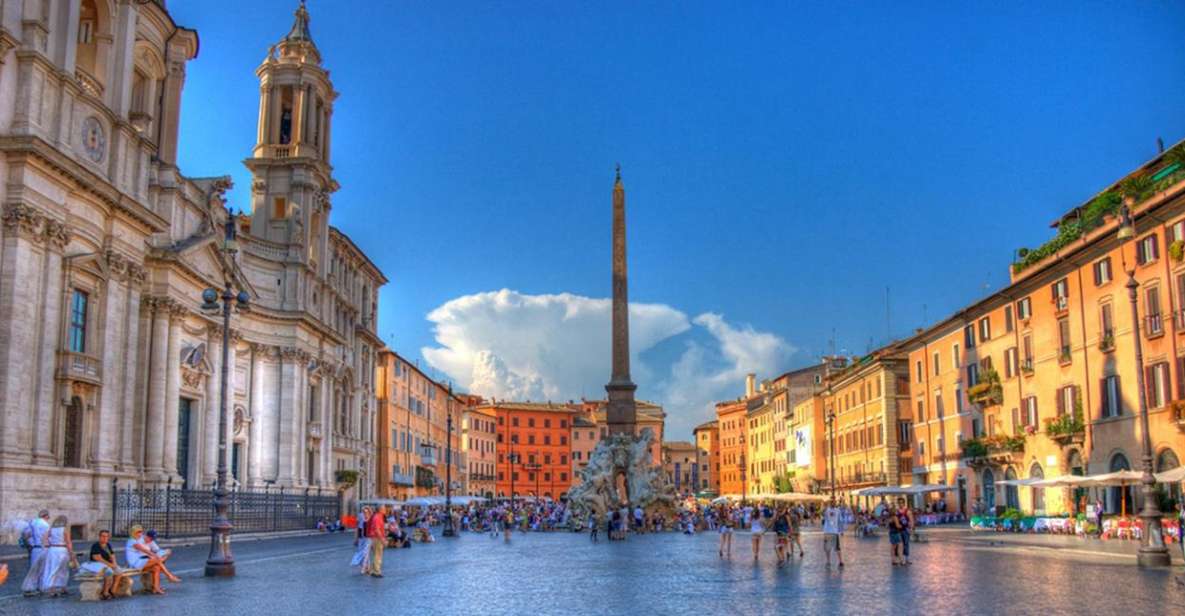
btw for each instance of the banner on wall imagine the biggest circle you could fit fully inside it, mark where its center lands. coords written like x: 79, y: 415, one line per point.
x: 802, y: 446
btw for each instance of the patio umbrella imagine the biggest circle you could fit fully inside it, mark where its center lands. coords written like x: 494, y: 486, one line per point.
x: 1117, y: 478
x: 795, y: 497
x: 1175, y: 475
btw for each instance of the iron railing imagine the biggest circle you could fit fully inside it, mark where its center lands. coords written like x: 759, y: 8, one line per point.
x: 176, y: 512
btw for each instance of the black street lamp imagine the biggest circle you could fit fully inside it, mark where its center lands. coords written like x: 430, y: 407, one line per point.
x: 449, y: 531
x: 1153, y: 553
x: 221, y: 562
x: 744, y: 483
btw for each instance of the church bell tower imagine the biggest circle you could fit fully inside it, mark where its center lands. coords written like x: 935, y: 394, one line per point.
x: 292, y: 177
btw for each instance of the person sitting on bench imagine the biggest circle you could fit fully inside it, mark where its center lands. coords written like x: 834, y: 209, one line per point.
x: 102, y: 564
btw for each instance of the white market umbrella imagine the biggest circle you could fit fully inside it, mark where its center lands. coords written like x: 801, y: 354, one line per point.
x: 1174, y: 475
x: 799, y: 497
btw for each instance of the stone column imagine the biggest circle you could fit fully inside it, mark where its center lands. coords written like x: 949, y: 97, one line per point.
x: 171, y: 111
x: 20, y: 305
x: 106, y: 450
x: 273, y: 125
x: 51, y: 331
x: 210, y: 406
x: 130, y: 366
x: 142, y: 402
x: 255, y: 448
x: 327, y: 427
x: 172, y: 399
x: 284, y: 412
x: 298, y: 113
x: 154, y: 424
x: 265, y: 95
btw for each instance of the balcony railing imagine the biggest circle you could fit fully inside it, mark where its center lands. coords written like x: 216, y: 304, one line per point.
x: 402, y: 479
x: 88, y: 82
x: 1062, y: 303
x: 1064, y: 355
x: 80, y: 366
x: 1154, y: 325
x: 1107, y: 341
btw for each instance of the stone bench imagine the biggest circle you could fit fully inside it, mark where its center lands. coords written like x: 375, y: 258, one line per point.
x: 90, y: 584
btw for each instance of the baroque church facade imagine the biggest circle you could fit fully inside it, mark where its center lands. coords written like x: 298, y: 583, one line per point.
x: 108, y: 366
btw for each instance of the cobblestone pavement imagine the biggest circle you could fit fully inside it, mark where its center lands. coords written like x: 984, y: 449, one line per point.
x: 562, y: 573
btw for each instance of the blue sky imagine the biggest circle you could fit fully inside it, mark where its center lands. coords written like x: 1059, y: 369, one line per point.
x: 784, y: 163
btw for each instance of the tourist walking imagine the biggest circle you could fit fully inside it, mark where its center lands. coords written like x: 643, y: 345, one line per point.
x: 59, y: 559
x: 36, y: 536
x: 592, y: 527
x: 508, y: 523
x: 794, y: 518
x: 756, y: 529
x: 782, y: 532
x: 832, y: 531
x: 376, y: 532
x: 899, y: 522
x: 725, y: 528
x: 362, y: 543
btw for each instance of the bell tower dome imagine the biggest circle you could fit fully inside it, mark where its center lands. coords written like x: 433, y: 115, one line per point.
x: 292, y: 177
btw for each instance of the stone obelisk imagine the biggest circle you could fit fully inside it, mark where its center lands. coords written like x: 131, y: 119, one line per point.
x: 621, y: 413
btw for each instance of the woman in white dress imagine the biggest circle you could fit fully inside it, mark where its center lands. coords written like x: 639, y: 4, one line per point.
x: 59, y: 557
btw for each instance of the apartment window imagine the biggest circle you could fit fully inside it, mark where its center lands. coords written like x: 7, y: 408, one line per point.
x: 921, y: 376
x: 936, y: 367
x: 78, y: 308
x: 514, y: 421
x: 530, y: 422
x: 1102, y: 271
x: 969, y: 336
x: 1024, y: 309
x: 938, y: 408
x: 921, y: 411
x: 985, y: 329
x: 1157, y: 380
x: 279, y: 208
x: 1148, y: 250
x: 1008, y: 324
x: 1107, y: 325
x: 1153, y: 323
x: 1061, y: 294
x: 1010, y: 363
x: 1066, y: 397
x: 972, y: 375
x: 1027, y: 363
x: 530, y: 439
x: 1063, y: 339
x: 1030, y: 410
x: 958, y: 401
x: 546, y: 439
x: 954, y: 356
x: 546, y: 423
x: 563, y: 440
x: 1112, y: 404
x: 1176, y: 232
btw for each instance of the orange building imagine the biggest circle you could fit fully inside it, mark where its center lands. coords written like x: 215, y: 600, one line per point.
x: 533, y: 448
x: 1041, y: 379
x: 733, y: 419
x: 585, y: 436
x: 707, y: 445
x: 413, y: 442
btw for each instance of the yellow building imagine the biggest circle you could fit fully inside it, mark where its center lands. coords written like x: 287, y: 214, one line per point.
x: 867, y: 411
x: 759, y: 450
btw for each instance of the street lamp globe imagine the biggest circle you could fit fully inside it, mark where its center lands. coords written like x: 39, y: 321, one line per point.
x: 209, y: 299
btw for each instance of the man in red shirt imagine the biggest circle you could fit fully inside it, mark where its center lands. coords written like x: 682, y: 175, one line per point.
x: 376, y: 530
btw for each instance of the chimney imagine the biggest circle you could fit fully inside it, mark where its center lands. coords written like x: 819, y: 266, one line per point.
x: 750, y: 385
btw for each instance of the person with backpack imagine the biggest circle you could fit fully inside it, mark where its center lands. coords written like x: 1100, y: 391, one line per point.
x: 35, y: 538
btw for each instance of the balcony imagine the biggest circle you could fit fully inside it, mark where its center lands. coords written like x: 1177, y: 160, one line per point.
x: 1107, y: 341
x: 1154, y: 325
x: 990, y: 450
x: 1064, y: 356
x: 428, y: 457
x: 1178, y: 409
x: 89, y: 84
x: 402, y: 479
x: 1061, y: 303
x: 79, y: 367
x: 1067, y: 429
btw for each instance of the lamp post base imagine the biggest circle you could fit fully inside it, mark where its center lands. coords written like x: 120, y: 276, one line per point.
x: 1154, y: 557
x: 221, y: 561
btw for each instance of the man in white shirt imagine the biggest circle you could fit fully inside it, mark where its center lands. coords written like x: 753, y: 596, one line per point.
x: 833, y: 525
x: 37, y: 534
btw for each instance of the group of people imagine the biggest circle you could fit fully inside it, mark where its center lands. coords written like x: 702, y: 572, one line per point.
x: 52, y: 557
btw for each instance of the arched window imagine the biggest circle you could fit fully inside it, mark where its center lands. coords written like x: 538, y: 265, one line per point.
x: 989, y: 488
x: 1036, y: 472
x: 1119, y: 499
x: 72, y: 437
x: 1011, y: 492
x: 92, y: 45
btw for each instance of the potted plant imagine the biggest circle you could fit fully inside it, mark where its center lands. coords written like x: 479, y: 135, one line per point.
x: 346, y: 478
x: 1177, y: 250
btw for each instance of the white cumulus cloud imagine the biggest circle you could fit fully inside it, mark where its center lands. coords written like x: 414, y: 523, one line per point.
x: 511, y: 345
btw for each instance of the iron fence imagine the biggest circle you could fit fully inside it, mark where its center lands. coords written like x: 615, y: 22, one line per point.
x: 176, y: 512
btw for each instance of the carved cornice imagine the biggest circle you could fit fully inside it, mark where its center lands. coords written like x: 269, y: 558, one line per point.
x: 117, y: 264
x: 137, y: 274
x: 28, y: 222
x: 7, y: 43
